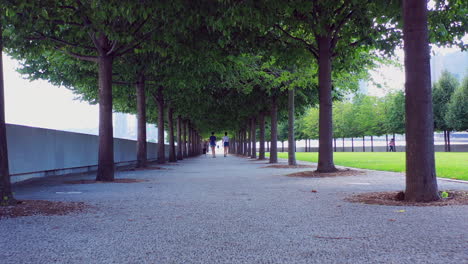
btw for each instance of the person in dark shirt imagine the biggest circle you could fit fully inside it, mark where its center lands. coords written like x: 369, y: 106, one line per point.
x: 213, y: 144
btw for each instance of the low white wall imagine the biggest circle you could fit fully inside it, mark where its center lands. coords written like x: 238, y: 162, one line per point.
x: 35, y: 152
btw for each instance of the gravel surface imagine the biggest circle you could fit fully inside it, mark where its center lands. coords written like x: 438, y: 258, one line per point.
x: 230, y: 210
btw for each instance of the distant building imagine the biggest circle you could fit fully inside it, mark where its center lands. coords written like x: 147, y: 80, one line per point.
x: 456, y: 63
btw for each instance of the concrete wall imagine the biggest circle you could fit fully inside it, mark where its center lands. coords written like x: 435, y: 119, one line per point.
x: 36, y: 152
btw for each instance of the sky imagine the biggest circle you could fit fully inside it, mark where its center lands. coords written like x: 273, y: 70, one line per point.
x: 40, y: 104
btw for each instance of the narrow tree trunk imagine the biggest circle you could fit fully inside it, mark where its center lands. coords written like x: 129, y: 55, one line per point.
x: 394, y: 147
x: 291, y: 138
x: 6, y: 195
x: 448, y: 141
x: 141, y: 119
x: 372, y: 143
x: 106, y: 137
x: 325, y: 159
x: 184, y: 139
x: 421, y: 182
x: 268, y: 146
x: 246, y: 151
x: 261, y: 120
x: 282, y: 146
x: 352, y: 144
x: 274, y: 130
x: 160, y: 104
x: 179, y: 138
x: 334, y: 144
x: 343, y: 144
x: 305, y: 146
x: 363, y: 144
x: 253, y: 132
x: 249, y: 141
x: 386, y: 142
x: 189, y: 139
x: 170, y: 123
x: 445, y: 141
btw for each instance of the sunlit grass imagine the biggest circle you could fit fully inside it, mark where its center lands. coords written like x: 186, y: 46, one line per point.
x: 448, y: 165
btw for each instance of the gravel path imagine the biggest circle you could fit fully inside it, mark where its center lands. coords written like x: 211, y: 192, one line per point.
x: 230, y: 210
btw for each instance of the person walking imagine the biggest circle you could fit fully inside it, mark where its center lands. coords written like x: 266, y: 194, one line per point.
x: 226, y: 144
x: 213, y: 144
x: 391, y: 144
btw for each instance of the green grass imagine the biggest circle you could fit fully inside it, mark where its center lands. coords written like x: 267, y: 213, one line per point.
x: 448, y: 165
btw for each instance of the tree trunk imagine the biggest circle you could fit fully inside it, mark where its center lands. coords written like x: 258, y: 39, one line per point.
x: 291, y: 138
x: 445, y: 140
x: 372, y: 143
x: 386, y: 142
x: 160, y: 104
x: 261, y: 120
x: 253, y: 132
x: 448, y: 141
x: 334, y: 144
x: 141, y: 119
x: 6, y: 195
x: 249, y: 140
x: 184, y: 139
x: 268, y: 146
x: 179, y: 138
x: 106, y: 137
x: 343, y: 144
x: 363, y: 144
x: 352, y: 144
x: 325, y: 159
x: 305, y: 146
x: 421, y: 182
x: 282, y: 146
x: 189, y: 139
x: 394, y: 147
x: 274, y: 130
x: 170, y: 123
x: 246, y: 151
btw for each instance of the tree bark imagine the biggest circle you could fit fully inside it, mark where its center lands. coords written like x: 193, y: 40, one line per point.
x: 343, y: 144
x: 282, y: 146
x: 249, y: 139
x: 268, y: 146
x: 352, y: 144
x: 184, y: 140
x: 106, y: 137
x: 141, y: 117
x: 363, y: 144
x: 386, y: 142
x: 161, y: 147
x: 291, y: 138
x: 448, y: 141
x: 6, y: 194
x: 189, y: 139
x: 334, y: 144
x: 372, y: 143
x: 274, y: 130
x: 421, y: 182
x: 170, y: 123
x: 253, y: 132
x: 261, y: 120
x: 325, y: 159
x: 179, y: 138
x: 305, y: 146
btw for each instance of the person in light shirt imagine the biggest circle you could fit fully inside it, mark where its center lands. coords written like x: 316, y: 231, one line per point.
x: 226, y: 144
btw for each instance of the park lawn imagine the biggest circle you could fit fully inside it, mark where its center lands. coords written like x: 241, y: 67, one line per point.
x: 448, y: 165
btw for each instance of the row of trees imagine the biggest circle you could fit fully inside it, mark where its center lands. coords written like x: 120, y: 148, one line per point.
x: 227, y: 65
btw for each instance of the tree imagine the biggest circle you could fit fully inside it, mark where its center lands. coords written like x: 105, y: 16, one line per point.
x: 421, y: 182
x: 441, y: 94
x: 6, y: 195
x: 291, y: 134
x: 457, y: 110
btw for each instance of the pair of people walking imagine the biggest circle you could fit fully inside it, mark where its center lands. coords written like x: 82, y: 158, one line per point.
x: 213, y: 140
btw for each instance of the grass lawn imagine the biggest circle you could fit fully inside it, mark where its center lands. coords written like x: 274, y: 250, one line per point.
x: 448, y: 165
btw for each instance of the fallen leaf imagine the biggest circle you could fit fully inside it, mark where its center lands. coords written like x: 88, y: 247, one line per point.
x: 392, y: 220
x: 400, y: 211
x: 314, y: 191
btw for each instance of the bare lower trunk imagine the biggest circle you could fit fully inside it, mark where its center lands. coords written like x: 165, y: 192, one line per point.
x: 249, y: 139
x: 160, y: 103
x: 170, y: 123
x: 268, y: 146
x: 184, y: 139
x: 245, y: 152
x: 445, y: 140
x: 421, y: 182
x: 343, y: 144
x: 261, y: 120
x: 179, y: 138
x: 448, y: 141
x: 274, y: 131
x: 372, y: 143
x: 282, y: 146
x: 6, y: 195
x: 352, y: 144
x: 189, y: 139
x: 254, y: 138
x: 386, y: 142
x: 291, y: 139
x: 363, y: 144
x: 325, y: 156
x: 106, y: 137
x: 141, y: 117
x: 334, y: 144
x: 305, y: 145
